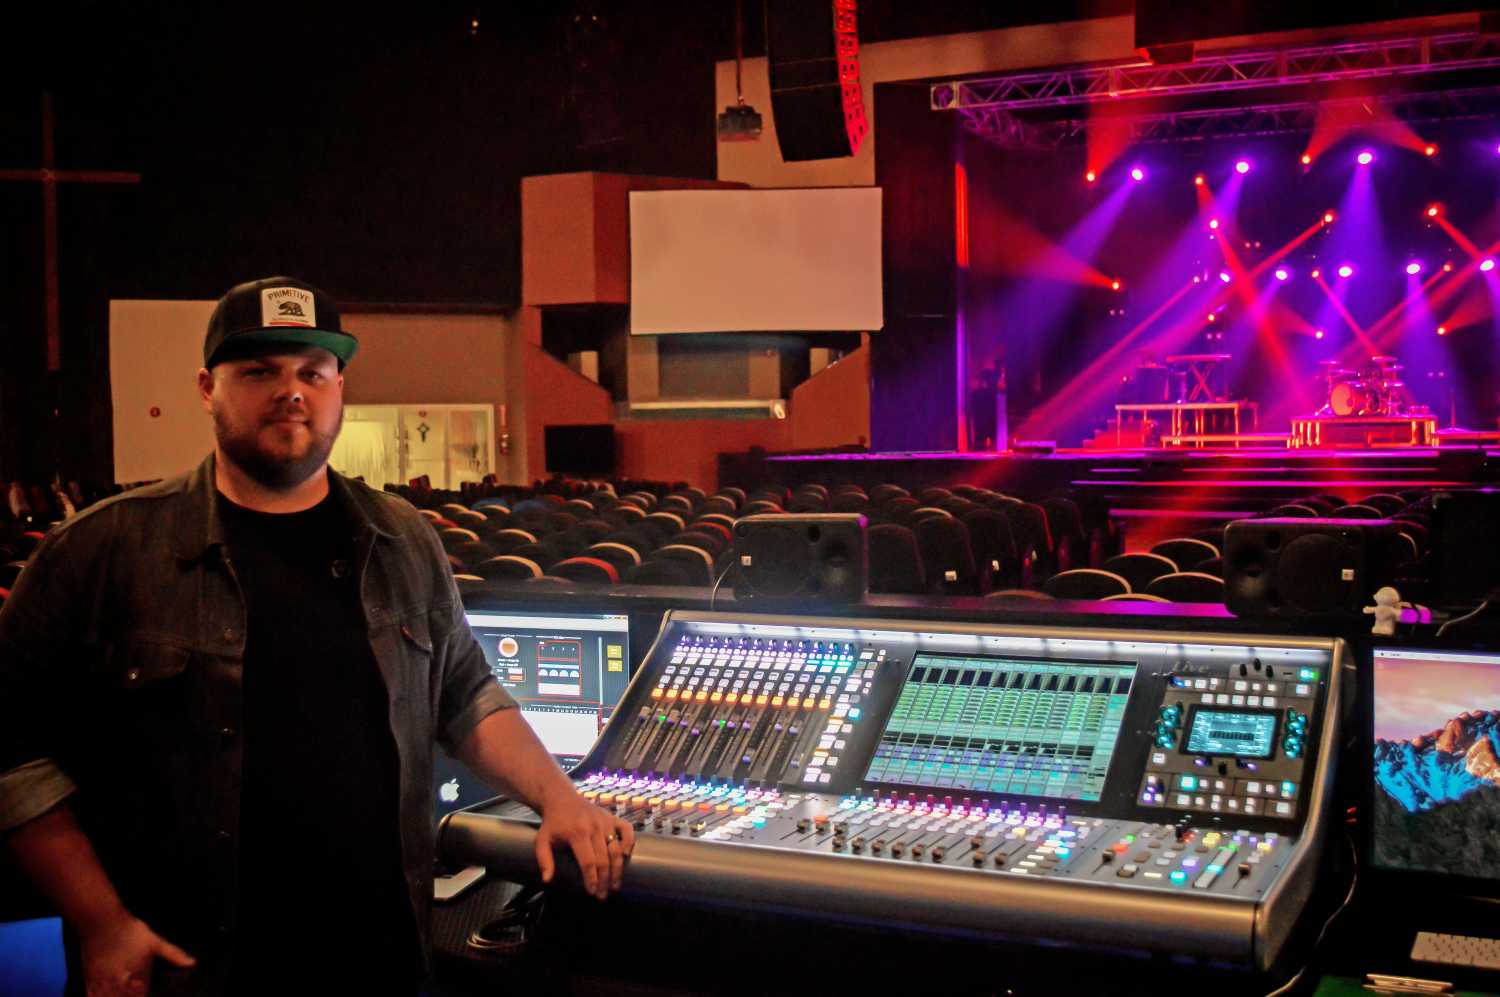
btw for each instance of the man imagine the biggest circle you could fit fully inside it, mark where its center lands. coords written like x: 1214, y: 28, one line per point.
x: 219, y: 695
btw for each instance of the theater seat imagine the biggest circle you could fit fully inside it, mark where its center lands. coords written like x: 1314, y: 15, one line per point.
x: 895, y: 563
x: 1386, y: 503
x: 622, y: 557
x: 586, y: 571
x: 697, y: 562
x: 1213, y: 566
x: 1140, y: 569
x: 1185, y: 552
x: 543, y: 553
x: 1188, y: 586
x: 994, y: 546
x: 508, y: 568
x: 703, y: 539
x: 506, y: 540
x: 10, y: 572
x: 1020, y: 595
x: 1086, y: 583
x: 1357, y: 511
x: 1135, y: 597
x: 946, y: 556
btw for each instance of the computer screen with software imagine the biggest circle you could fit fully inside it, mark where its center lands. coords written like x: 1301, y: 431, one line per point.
x: 566, y: 670
x: 1436, y: 754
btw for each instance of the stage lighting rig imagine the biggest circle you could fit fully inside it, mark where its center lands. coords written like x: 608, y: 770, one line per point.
x: 1365, y: 157
x: 1486, y: 265
x: 1242, y: 167
x: 1137, y: 174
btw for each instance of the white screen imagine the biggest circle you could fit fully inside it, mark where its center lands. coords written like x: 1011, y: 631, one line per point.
x: 564, y: 732
x: 755, y: 260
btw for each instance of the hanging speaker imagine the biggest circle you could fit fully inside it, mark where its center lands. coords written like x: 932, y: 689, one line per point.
x: 1309, y: 568
x: 815, y: 557
x: 812, y: 50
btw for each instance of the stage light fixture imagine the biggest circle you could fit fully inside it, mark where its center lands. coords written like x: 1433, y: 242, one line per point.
x: 1346, y: 271
x: 1433, y: 210
x: 1448, y: 267
x: 1413, y: 268
x: 1306, y: 159
x: 1224, y: 276
x: 1318, y: 334
x: 1091, y: 176
x: 1328, y: 218
x: 1137, y: 174
x: 1365, y: 158
x: 1486, y: 265
x: 1211, y: 316
x: 1430, y: 150
x: 1316, y: 274
x: 1442, y: 330
x: 1198, y: 181
x: 1213, y: 223
x: 1114, y: 285
x: 1281, y: 273
x: 1243, y: 166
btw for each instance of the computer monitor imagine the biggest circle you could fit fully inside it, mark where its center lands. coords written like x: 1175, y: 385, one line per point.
x: 566, y: 670
x: 1435, y: 802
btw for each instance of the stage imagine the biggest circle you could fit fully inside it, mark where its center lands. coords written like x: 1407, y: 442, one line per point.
x: 1143, y: 491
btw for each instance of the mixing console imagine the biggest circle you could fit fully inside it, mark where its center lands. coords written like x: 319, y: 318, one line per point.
x: 1144, y: 790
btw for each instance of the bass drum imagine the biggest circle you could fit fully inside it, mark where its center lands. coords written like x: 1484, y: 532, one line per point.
x: 1352, y: 398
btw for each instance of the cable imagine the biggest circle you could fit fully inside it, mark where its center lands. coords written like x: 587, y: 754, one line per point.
x: 1467, y: 616
x: 719, y: 581
x: 1287, y: 987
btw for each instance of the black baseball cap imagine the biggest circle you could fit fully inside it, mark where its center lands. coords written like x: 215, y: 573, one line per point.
x: 275, y: 310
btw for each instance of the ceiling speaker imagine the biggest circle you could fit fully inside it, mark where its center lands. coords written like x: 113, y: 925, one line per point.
x: 1309, y: 568
x: 814, y: 557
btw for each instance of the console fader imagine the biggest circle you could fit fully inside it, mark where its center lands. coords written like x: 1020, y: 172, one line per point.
x: 1138, y: 789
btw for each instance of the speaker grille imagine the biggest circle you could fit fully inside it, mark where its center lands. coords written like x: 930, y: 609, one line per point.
x: 780, y: 561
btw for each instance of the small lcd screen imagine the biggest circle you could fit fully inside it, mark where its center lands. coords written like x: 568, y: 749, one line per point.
x: 1222, y: 732
x: 1005, y: 725
x: 1436, y: 802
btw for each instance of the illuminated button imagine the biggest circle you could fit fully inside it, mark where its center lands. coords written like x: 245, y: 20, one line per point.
x: 605, y: 799
x: 762, y: 700
x: 776, y: 701
x: 722, y: 808
x: 825, y: 704
x: 716, y: 697
x: 702, y: 695
x: 705, y: 807
x: 1178, y: 876
x: 638, y: 801
x: 655, y: 801
x: 673, y: 804
x: 656, y: 693
x: 591, y: 794
x: 671, y: 693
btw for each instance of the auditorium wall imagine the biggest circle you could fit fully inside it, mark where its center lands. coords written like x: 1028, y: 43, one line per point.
x: 157, y: 346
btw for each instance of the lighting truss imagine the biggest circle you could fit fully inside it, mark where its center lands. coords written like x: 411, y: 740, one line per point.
x: 1009, y: 131
x: 1214, y: 73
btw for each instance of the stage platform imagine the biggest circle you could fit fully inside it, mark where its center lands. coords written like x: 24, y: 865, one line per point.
x: 1141, y: 486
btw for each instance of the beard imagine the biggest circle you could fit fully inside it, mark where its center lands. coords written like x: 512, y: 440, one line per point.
x: 276, y: 471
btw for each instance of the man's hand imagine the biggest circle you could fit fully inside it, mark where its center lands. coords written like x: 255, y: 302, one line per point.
x: 601, y: 843
x: 118, y: 958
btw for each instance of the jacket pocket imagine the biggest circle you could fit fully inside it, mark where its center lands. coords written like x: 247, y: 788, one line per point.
x: 142, y: 664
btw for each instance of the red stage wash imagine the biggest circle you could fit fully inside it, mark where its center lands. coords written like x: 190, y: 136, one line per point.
x: 845, y: 26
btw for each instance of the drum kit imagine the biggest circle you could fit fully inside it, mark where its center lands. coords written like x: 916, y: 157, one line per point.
x: 1374, y: 389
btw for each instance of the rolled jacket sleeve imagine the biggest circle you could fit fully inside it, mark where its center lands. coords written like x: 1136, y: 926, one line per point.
x: 41, y: 625
x: 30, y: 790
x: 470, y: 691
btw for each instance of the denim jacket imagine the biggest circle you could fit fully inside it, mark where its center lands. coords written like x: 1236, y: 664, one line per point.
x: 120, y: 686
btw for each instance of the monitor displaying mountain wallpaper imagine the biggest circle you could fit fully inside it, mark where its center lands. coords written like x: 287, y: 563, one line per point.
x: 1437, y: 762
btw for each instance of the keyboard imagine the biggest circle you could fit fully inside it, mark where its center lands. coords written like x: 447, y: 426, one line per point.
x: 1456, y: 950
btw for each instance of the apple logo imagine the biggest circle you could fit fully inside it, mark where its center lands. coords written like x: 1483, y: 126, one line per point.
x: 508, y: 647
x: 448, y: 791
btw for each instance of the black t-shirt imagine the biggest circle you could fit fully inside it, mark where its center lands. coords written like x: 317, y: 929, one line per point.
x: 321, y: 880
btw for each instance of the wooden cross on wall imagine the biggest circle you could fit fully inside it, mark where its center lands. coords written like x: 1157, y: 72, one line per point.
x: 49, y: 176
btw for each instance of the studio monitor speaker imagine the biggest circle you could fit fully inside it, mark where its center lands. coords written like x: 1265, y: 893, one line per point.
x: 814, y: 557
x: 1309, y: 568
x: 812, y: 49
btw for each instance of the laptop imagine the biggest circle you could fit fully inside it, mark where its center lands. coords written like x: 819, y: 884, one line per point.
x: 566, y: 670
x: 1434, y: 813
